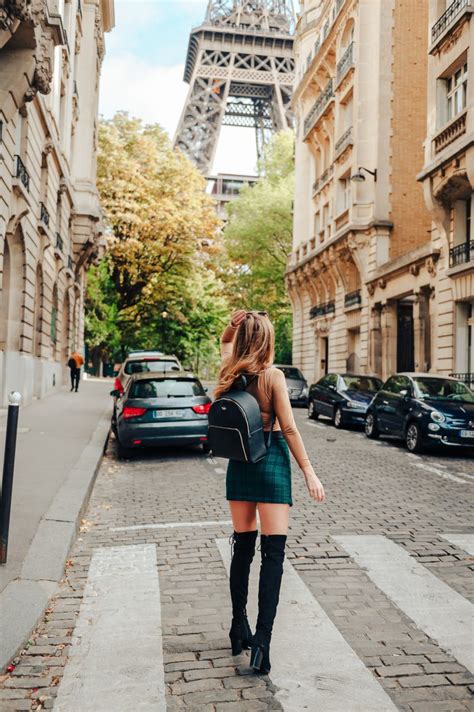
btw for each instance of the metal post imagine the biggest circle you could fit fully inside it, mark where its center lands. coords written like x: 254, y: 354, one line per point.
x: 14, y: 400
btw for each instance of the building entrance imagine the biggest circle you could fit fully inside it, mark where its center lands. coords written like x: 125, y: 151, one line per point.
x: 405, y: 337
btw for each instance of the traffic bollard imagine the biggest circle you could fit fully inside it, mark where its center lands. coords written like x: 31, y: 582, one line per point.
x: 14, y: 400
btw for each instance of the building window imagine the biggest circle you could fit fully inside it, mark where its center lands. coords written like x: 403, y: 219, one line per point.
x: 456, y: 93
x: 343, y: 194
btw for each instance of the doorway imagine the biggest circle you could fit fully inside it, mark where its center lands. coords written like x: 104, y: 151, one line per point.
x: 405, y: 337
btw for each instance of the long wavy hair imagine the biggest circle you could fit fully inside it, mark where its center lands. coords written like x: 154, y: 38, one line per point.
x: 253, y: 351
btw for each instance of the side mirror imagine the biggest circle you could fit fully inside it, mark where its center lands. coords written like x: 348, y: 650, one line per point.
x: 115, y: 393
x: 206, y: 389
x: 332, y: 388
x: 405, y: 393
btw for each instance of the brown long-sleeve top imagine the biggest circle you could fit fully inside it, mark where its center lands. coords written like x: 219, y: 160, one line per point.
x: 270, y: 390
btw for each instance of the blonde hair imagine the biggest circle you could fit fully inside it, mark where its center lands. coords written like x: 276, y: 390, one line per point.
x: 253, y: 351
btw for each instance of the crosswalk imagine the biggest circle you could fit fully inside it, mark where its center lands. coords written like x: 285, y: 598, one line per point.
x: 116, y: 659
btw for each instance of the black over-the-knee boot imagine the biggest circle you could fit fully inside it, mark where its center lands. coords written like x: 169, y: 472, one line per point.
x: 271, y: 570
x: 244, y: 549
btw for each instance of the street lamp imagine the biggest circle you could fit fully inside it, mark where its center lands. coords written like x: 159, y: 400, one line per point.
x: 359, y: 177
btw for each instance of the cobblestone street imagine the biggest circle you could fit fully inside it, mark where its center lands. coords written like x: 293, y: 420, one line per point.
x: 376, y: 609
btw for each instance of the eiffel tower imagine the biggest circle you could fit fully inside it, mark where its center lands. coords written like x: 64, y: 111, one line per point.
x: 240, y: 71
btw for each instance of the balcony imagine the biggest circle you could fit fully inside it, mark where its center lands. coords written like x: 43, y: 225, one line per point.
x: 44, y: 214
x: 319, y: 107
x: 322, y: 310
x: 343, y: 142
x: 353, y: 299
x: 345, y: 63
x: 461, y: 254
x: 448, y: 20
x: 467, y: 378
x: 22, y: 174
x: 450, y: 133
x: 323, y: 179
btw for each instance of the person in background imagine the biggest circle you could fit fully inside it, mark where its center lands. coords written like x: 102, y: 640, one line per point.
x: 75, y: 362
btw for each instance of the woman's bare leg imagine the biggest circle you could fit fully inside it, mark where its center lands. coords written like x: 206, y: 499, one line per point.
x: 273, y: 518
x: 244, y: 515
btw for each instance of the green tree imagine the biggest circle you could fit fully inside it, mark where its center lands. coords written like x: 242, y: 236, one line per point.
x: 102, y: 332
x: 258, y: 240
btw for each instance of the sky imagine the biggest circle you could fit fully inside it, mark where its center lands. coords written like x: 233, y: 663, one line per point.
x: 143, y: 73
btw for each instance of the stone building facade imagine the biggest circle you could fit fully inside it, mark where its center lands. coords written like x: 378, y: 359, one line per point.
x: 50, y: 219
x: 448, y: 179
x: 366, y: 273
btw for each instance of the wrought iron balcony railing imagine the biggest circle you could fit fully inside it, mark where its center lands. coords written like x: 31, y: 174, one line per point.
x: 59, y: 242
x: 344, y: 141
x: 319, y: 106
x: 22, y: 174
x: 323, y: 178
x: 44, y: 214
x: 447, y: 18
x: 345, y: 63
x: 461, y: 254
x: 456, y: 128
x: 467, y: 378
x: 322, y: 309
x: 353, y: 298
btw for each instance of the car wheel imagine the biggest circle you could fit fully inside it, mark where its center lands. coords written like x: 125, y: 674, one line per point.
x: 338, y: 418
x: 413, y: 438
x: 124, y: 453
x: 371, y: 427
x: 312, y: 411
x: 206, y: 448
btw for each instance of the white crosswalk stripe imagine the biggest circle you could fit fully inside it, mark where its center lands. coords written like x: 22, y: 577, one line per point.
x: 312, y: 665
x: 116, y: 659
x: 434, y: 607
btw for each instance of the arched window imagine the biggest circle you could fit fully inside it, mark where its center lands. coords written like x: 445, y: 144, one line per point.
x: 54, y: 319
x: 65, y: 330
x: 12, y: 296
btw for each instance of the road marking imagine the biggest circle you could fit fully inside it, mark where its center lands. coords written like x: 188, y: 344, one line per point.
x: 219, y: 470
x: 316, y: 425
x: 440, y: 473
x: 116, y: 657
x: 435, y: 607
x: 463, y: 541
x: 312, y: 665
x: 171, y: 525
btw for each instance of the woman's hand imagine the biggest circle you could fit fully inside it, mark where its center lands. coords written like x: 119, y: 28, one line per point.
x: 237, y: 317
x: 315, y: 487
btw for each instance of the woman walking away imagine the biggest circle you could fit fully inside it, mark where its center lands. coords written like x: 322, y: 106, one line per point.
x: 247, y: 347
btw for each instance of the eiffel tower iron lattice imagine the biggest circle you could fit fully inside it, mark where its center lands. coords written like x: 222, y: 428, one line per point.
x: 240, y: 71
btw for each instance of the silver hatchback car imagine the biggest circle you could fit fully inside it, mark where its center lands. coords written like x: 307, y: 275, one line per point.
x: 161, y: 409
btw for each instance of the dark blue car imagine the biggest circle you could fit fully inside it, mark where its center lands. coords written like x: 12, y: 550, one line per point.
x: 423, y: 410
x: 343, y: 397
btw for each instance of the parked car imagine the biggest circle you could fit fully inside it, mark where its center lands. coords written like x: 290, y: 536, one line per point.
x: 343, y: 397
x: 296, y: 384
x: 423, y: 410
x: 144, y: 362
x: 161, y: 409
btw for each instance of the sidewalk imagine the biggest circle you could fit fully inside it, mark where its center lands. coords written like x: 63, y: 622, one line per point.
x: 60, y: 445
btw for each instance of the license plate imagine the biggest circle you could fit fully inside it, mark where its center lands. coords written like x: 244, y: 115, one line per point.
x: 467, y: 433
x: 168, y: 413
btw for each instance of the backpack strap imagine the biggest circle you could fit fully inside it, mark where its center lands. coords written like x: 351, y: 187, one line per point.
x: 248, y: 381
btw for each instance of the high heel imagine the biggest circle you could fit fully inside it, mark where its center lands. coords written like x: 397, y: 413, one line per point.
x: 240, y: 635
x: 273, y: 554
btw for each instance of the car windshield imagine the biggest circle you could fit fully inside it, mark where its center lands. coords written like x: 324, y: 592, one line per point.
x: 293, y: 373
x: 361, y: 383
x: 167, y: 388
x: 443, y: 389
x: 147, y: 365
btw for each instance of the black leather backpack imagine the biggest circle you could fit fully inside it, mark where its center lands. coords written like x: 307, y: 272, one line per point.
x: 235, y: 425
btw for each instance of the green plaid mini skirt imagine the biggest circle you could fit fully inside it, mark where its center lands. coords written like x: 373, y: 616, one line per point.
x: 268, y: 480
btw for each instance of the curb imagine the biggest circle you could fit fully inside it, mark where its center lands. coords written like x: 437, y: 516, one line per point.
x: 25, y: 599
